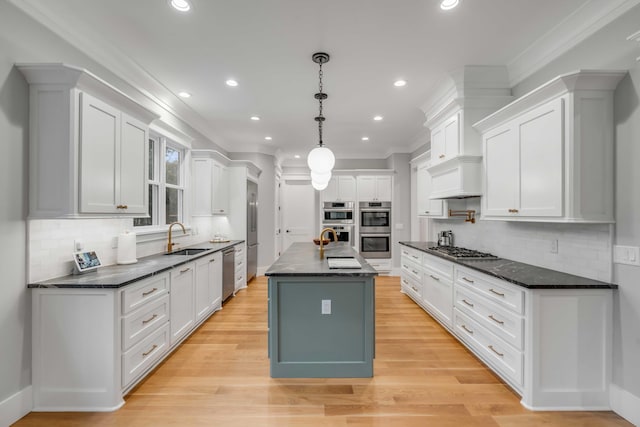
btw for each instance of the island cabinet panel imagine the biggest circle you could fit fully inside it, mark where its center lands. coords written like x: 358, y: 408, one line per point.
x: 321, y: 327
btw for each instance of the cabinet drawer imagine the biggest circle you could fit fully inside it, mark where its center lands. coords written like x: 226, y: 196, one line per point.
x: 240, y: 282
x: 411, y: 286
x: 240, y: 265
x: 498, y: 291
x: 239, y: 250
x: 139, y: 324
x: 411, y: 270
x: 507, y: 360
x: 141, y: 292
x: 144, y: 354
x: 503, y: 323
x: 437, y: 266
x: 411, y: 254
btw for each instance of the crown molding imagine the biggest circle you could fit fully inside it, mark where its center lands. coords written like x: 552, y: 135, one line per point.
x: 585, y: 21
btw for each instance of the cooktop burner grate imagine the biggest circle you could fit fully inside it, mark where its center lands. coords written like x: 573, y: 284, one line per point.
x: 462, y: 253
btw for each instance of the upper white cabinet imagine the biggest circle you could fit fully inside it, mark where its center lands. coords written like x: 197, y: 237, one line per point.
x: 88, y: 145
x: 548, y: 156
x: 426, y: 206
x: 466, y: 96
x: 374, y: 188
x: 210, y: 185
x: 341, y: 188
x: 220, y: 195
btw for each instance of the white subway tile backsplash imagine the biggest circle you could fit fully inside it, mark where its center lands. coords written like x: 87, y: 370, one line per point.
x: 583, y: 249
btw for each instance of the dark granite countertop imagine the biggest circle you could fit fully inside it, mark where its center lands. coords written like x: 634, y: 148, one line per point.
x: 303, y: 259
x: 518, y: 273
x: 117, y: 276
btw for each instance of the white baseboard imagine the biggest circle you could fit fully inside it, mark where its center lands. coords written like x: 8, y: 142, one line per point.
x: 15, y: 407
x: 625, y: 404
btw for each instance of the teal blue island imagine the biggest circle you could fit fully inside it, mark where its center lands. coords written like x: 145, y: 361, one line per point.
x: 321, y: 313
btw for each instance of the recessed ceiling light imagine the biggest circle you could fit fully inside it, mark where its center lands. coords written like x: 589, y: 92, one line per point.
x: 267, y: 138
x: 255, y: 118
x: 297, y: 156
x: 181, y: 5
x: 365, y: 138
x: 377, y: 118
x: 231, y: 83
x: 400, y: 83
x: 184, y: 95
x: 449, y: 4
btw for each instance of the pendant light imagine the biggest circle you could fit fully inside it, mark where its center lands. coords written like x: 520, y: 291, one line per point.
x: 321, y: 159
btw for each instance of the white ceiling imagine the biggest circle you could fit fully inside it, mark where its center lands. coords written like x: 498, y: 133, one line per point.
x: 266, y: 45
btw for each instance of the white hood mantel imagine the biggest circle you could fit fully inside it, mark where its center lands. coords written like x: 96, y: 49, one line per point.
x: 466, y: 96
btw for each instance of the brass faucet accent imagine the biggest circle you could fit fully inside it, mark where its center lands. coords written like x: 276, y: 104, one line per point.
x: 335, y: 239
x: 169, y: 244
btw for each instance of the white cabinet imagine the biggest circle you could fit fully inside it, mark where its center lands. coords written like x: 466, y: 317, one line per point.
x: 426, y: 206
x: 210, y: 183
x: 548, y: 156
x: 240, y: 260
x: 445, y: 140
x: 88, y: 145
x: 437, y: 288
x: 208, y: 285
x: 182, y: 301
x: 374, y: 188
x: 341, y: 188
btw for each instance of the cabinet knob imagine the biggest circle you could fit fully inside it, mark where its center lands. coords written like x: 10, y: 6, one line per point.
x: 122, y: 207
x: 441, y: 156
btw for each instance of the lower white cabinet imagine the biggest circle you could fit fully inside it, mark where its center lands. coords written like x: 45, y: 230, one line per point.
x: 240, y: 267
x: 92, y: 345
x: 552, y: 346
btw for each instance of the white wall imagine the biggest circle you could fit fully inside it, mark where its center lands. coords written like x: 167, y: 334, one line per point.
x: 401, y: 213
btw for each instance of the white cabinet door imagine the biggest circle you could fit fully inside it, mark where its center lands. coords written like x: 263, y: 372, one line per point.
x: 383, y: 185
x: 346, y: 189
x: 541, y: 156
x: 202, y: 286
x: 134, y: 164
x: 452, y: 137
x: 426, y: 206
x: 438, y: 147
x: 367, y: 188
x: 220, y: 195
x: 182, y: 297
x: 215, y: 281
x: 501, y: 158
x: 202, y: 186
x: 99, y: 156
x: 330, y: 194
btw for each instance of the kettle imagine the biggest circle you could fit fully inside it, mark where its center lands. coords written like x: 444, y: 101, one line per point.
x: 445, y: 238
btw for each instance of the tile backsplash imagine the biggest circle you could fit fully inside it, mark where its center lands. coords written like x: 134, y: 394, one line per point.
x: 583, y: 249
x: 51, y: 242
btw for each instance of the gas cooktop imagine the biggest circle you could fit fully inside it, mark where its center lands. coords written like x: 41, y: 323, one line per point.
x: 455, y: 252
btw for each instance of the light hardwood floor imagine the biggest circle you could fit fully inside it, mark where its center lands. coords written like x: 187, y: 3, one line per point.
x: 423, y: 377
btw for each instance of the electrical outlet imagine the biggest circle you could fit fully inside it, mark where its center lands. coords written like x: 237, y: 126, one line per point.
x: 554, y: 246
x: 326, y: 306
x: 626, y: 255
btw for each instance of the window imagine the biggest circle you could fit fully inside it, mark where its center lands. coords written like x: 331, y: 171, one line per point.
x: 166, y: 183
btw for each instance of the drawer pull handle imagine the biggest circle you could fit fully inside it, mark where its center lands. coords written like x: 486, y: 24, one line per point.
x: 150, y: 351
x: 415, y: 272
x: 144, y: 322
x: 441, y: 156
x: 122, y: 207
x: 496, y: 320
x: 434, y: 277
x: 496, y: 292
x: 405, y: 282
x: 416, y: 290
x: 467, y: 280
x: 426, y: 211
x: 144, y: 294
x: 212, y: 260
x: 496, y: 351
x: 185, y: 270
x: 513, y: 211
x: 467, y: 302
x: 466, y: 329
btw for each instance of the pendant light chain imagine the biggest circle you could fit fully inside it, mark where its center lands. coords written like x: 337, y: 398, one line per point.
x: 320, y: 101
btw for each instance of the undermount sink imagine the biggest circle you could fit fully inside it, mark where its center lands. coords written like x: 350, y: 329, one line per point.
x: 343, y: 262
x: 187, y: 252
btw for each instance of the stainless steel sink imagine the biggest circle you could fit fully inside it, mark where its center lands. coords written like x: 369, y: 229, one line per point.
x: 187, y: 252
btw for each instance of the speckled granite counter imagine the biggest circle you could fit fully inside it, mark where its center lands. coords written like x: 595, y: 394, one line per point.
x: 302, y: 259
x: 116, y: 276
x: 518, y: 273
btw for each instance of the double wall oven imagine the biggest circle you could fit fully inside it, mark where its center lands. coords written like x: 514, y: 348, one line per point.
x: 340, y: 216
x: 375, y: 229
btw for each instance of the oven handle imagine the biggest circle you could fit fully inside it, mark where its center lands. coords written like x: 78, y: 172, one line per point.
x: 375, y: 235
x: 375, y: 210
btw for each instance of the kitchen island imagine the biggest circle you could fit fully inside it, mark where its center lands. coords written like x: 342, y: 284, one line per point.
x: 321, y: 319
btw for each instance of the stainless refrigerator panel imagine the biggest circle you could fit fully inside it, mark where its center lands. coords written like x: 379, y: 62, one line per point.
x: 228, y: 273
x: 252, y: 213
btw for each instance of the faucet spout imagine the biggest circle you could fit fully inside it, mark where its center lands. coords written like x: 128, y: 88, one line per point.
x: 335, y: 239
x: 169, y: 244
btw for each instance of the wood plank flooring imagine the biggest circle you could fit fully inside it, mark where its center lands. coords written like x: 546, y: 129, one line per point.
x: 423, y: 377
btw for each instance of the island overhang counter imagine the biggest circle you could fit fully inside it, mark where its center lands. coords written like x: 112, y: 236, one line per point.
x: 321, y: 319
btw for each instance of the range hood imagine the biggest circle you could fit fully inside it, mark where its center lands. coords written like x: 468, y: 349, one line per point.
x: 464, y: 97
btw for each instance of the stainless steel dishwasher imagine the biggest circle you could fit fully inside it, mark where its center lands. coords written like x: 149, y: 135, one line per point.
x: 228, y: 272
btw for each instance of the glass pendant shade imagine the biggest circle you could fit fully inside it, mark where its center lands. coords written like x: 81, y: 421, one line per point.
x: 319, y: 186
x: 321, y: 160
x: 320, y: 178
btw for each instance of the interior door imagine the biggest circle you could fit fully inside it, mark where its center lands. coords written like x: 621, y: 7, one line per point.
x: 298, y: 212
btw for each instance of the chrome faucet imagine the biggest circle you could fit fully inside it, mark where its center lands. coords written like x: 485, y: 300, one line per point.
x: 335, y: 239
x: 169, y: 244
